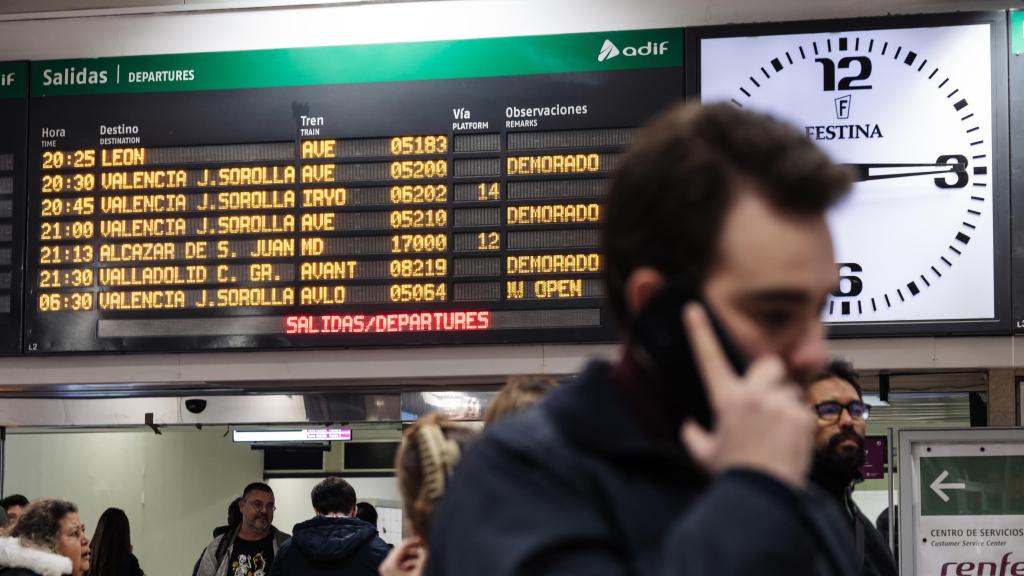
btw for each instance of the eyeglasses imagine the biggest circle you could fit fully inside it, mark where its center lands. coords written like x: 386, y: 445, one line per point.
x: 831, y: 410
x: 259, y: 506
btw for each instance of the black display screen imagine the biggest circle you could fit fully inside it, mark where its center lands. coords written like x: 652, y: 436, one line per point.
x: 13, y: 119
x: 177, y: 204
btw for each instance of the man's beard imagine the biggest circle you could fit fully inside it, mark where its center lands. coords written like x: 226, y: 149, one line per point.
x: 840, y: 463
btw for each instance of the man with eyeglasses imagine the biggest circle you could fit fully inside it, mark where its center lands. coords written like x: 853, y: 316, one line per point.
x: 249, y: 549
x: 836, y: 397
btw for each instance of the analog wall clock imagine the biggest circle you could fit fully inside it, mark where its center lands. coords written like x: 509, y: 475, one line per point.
x: 919, y: 241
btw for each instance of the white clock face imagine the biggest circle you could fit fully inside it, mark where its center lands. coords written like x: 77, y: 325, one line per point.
x: 911, y: 111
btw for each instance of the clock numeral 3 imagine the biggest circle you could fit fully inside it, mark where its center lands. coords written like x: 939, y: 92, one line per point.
x: 959, y: 164
x: 829, y: 72
x: 850, y: 283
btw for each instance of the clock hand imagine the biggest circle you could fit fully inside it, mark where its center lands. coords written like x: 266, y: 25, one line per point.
x: 863, y: 171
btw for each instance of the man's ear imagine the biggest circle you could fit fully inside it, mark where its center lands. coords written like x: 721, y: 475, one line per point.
x: 642, y: 284
x: 352, y: 512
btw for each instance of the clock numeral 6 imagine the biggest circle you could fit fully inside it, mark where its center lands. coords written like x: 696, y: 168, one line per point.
x: 959, y: 164
x: 850, y: 283
x: 828, y: 67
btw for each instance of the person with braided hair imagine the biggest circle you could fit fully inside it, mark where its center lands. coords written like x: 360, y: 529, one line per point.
x: 430, y: 450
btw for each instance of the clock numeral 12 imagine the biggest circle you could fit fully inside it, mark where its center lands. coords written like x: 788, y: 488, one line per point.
x: 828, y: 66
x: 850, y: 283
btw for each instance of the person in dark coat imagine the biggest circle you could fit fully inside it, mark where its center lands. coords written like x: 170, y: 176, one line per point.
x: 839, y: 405
x: 334, y: 542
x: 112, y: 553
x: 48, y: 540
x: 638, y: 468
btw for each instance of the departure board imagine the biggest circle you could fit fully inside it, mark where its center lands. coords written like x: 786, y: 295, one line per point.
x: 13, y: 119
x: 408, y: 194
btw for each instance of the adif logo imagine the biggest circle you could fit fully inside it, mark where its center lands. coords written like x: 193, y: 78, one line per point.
x: 7, y: 79
x: 609, y: 50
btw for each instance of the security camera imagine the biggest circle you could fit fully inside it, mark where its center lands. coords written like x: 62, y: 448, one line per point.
x: 195, y: 405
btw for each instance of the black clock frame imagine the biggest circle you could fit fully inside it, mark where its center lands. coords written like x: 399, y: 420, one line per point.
x: 1000, y: 323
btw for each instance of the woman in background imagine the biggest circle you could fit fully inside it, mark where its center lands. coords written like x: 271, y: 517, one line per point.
x: 48, y: 540
x: 112, y: 546
x: 518, y: 394
x: 426, y: 459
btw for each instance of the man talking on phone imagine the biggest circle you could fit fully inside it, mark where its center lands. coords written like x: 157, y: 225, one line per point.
x: 690, y: 455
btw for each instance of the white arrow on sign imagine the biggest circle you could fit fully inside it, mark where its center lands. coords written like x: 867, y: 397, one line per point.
x: 937, y: 486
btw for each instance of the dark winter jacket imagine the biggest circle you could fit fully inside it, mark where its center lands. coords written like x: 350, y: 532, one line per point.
x: 331, y: 545
x: 575, y: 486
x: 875, y: 556
x: 871, y: 549
x: 18, y: 560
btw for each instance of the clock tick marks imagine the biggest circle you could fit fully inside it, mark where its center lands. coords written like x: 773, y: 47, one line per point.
x: 921, y: 67
x: 909, y: 60
x: 896, y: 56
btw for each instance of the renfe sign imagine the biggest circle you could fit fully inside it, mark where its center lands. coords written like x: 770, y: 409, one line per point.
x: 1005, y: 567
x: 963, y: 500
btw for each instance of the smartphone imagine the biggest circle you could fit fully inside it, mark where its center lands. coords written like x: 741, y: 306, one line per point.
x: 658, y: 329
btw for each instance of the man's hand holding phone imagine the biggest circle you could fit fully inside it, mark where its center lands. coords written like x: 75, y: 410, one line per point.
x: 761, y: 423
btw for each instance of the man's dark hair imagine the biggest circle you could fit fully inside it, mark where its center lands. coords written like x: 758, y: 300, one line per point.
x: 333, y: 496
x: 366, y: 511
x: 673, y: 188
x: 13, y: 500
x: 256, y: 486
x: 841, y: 369
x: 235, y: 513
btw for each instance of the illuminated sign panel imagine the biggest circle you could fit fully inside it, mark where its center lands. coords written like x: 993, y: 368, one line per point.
x: 441, y: 192
x: 916, y: 107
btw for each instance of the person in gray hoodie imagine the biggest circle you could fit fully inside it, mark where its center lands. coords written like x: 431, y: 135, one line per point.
x: 334, y: 541
x: 249, y: 548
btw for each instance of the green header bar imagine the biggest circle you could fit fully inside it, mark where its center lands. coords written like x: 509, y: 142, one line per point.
x: 1017, y: 32
x: 13, y: 79
x: 972, y: 486
x: 361, y: 64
